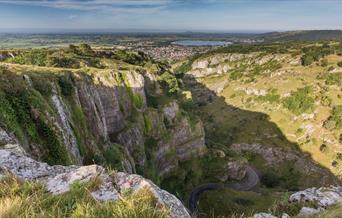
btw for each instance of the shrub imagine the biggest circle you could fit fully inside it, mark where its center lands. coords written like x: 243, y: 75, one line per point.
x: 324, y: 63
x: 85, y: 49
x: 271, y: 96
x: 171, y: 82
x: 335, y: 119
x: 307, y: 60
x: 300, y: 101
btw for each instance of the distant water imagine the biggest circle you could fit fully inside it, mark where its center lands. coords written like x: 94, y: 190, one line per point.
x: 200, y: 43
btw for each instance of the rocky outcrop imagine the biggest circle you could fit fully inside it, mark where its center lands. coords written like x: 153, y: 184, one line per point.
x: 184, y: 141
x: 58, y: 180
x: 276, y: 156
x: 323, y: 197
x: 69, y: 139
x: 219, y: 64
x: 105, y: 117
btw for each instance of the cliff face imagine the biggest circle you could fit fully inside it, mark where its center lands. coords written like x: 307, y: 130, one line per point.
x: 102, y: 116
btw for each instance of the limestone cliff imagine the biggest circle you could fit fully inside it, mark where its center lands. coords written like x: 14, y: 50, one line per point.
x: 120, y: 117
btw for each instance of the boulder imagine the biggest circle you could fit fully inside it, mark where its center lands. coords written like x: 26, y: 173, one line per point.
x: 264, y: 215
x: 324, y: 196
x: 308, y: 211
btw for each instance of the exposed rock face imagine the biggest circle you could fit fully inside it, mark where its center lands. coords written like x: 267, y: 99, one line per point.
x: 170, y: 111
x: 236, y: 169
x: 69, y: 138
x: 321, y: 197
x: 222, y: 63
x: 5, y: 138
x: 184, y: 142
x: 135, y: 182
x: 133, y: 139
x: 107, y: 109
x: 275, y: 156
x: 59, y: 179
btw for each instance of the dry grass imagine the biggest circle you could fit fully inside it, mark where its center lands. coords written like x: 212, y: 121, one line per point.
x: 30, y: 199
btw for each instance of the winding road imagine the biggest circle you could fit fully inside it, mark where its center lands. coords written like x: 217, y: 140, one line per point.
x: 250, y: 181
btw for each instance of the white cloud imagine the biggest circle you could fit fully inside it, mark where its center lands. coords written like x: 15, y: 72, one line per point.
x: 91, y: 5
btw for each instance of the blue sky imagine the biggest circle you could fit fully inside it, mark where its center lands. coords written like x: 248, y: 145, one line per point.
x: 170, y: 15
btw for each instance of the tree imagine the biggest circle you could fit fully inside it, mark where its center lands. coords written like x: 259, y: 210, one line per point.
x: 85, y: 49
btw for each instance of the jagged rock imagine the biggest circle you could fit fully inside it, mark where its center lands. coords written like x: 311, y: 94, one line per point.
x: 237, y: 169
x: 324, y: 196
x: 264, y: 215
x: 218, y: 87
x: 62, y: 182
x: 25, y: 167
x: 133, y: 140
x: 136, y: 82
x: 232, y: 170
x: 59, y: 179
x: 135, y: 183
x: 5, y: 138
x: 101, y: 105
x: 170, y: 111
x: 308, y: 211
x: 68, y: 135
x: 14, y: 148
x: 185, y: 141
x: 276, y: 156
x: 200, y: 64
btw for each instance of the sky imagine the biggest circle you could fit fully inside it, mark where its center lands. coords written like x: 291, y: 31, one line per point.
x: 169, y: 15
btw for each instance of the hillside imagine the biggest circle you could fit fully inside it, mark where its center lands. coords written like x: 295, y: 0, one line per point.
x: 271, y: 105
x: 252, y: 123
x: 304, y: 35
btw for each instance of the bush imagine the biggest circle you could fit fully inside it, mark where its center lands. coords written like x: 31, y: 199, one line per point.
x: 324, y: 63
x: 271, y: 96
x: 335, y: 119
x: 32, y: 57
x: 85, y: 49
x: 307, y: 60
x: 339, y: 64
x: 171, y: 82
x: 300, y: 101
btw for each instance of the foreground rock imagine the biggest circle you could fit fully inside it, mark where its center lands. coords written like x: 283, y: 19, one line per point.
x: 323, y: 197
x: 59, y: 178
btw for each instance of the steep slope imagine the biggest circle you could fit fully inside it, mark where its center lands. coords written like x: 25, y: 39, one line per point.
x: 112, y: 113
x: 265, y: 104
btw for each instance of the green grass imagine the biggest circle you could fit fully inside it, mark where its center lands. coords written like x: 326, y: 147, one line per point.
x: 332, y: 212
x: 226, y: 202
